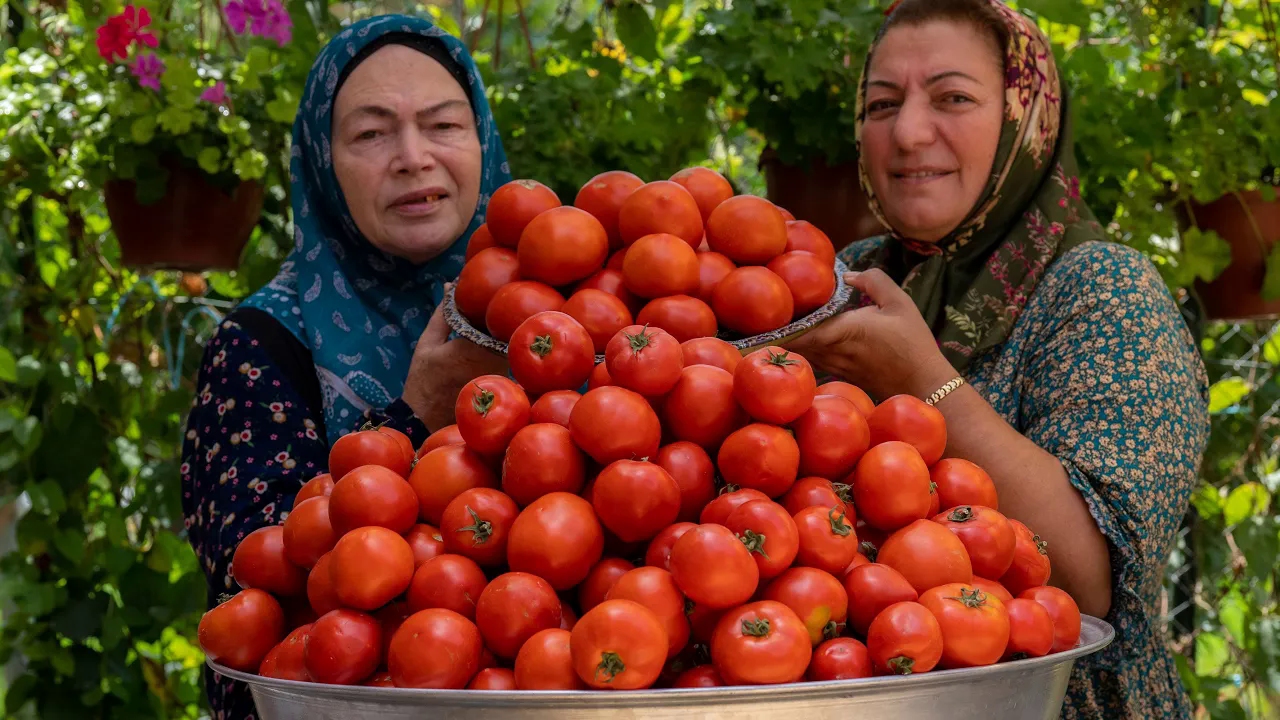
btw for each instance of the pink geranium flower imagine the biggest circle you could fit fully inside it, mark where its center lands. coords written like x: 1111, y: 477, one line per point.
x: 148, y: 69
x: 217, y: 94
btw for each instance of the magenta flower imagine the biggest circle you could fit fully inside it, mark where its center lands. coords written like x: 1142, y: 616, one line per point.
x: 267, y: 19
x: 121, y: 31
x: 238, y: 14
x: 148, y: 69
x: 278, y: 25
x: 216, y: 94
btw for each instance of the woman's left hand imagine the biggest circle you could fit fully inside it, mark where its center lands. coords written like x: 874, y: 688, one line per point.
x: 885, y: 348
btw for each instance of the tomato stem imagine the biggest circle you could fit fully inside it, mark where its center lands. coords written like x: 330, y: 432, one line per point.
x: 832, y: 630
x: 728, y: 488
x: 756, y: 628
x: 541, y: 345
x: 964, y: 513
x: 781, y: 358
x: 843, y: 491
x: 901, y: 665
x: 970, y: 598
x: 611, y: 666
x: 481, y: 530
x: 639, y: 341
x: 868, y: 550
x: 482, y: 402
x: 1042, y: 545
x: 689, y: 607
x: 754, y: 542
x: 838, y: 525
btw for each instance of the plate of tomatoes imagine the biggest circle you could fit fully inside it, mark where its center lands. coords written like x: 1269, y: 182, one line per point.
x: 686, y: 255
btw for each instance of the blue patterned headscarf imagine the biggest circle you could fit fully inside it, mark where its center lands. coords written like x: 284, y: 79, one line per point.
x: 359, y: 310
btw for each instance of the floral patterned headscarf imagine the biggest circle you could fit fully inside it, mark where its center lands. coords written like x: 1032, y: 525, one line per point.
x: 973, y: 284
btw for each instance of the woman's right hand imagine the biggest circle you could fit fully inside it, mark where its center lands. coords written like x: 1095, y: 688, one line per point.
x: 440, y: 369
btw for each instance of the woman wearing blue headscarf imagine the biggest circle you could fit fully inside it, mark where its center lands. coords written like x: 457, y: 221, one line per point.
x: 394, y: 158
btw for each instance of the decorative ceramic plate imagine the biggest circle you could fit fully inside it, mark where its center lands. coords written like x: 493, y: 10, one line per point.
x: 839, y: 299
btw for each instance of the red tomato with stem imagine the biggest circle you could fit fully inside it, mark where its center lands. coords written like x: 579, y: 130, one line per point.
x: 1030, y: 567
x: 635, y: 499
x: 661, y: 265
x: 811, y: 281
x: 906, y: 418
x: 514, y: 205
x: 774, y: 386
x: 891, y: 486
x: 308, y: 533
x: 692, y: 469
x: 553, y: 407
x: 710, y: 351
x: 926, y: 557
x: 435, y: 648
x: 766, y: 529
x: 852, y: 393
x: 832, y: 436
x: 708, y: 188
x: 516, y: 302
x: 752, y: 300
x: 839, y: 659
x: 603, y: 195
x: 447, y: 435
x: 318, y: 486
x: 595, y: 421
x: 512, y: 608
x: 344, y: 647
x: 551, y: 351
x: 655, y: 589
x: 545, y: 662
x: 811, y: 491
x: 542, y: 459
x: 700, y: 407
x: 713, y: 568
x: 561, y: 246
x: 987, y: 536
x: 480, y: 240
x: 261, y: 561
x: 602, y: 315
x: 600, y: 580
x: 763, y: 643
x: 445, y: 473
x: 804, y: 236
x: 367, y: 447
x: 493, y: 679
x: 452, y: 582
x: 961, y: 482
x: 646, y: 360
x: 975, y: 626
x: 827, y: 538
x: 286, y: 661
x: 683, y: 316
x: 490, y: 410
x: 712, y: 268
x: 320, y: 593
x: 406, y: 445
x: 816, y: 597
x: 481, y: 278
x: 761, y: 457
x: 717, y: 511
x: 661, y: 206
x: 241, y: 631
x: 659, y: 552
x: 1031, y: 630
x: 747, y: 229
x: 477, y: 525
x: 1064, y: 612
x: 904, y: 638
x: 611, y: 281
x: 619, y: 645
x: 558, y: 538
x: 871, y: 588
x: 371, y: 566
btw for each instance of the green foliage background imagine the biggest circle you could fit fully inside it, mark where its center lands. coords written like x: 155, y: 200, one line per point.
x: 100, y: 595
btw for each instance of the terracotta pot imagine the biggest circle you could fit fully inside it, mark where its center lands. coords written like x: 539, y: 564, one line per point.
x: 829, y: 197
x: 194, y: 227
x: 1251, y: 226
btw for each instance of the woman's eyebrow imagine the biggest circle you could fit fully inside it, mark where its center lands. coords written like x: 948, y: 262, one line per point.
x: 382, y: 112
x: 932, y: 79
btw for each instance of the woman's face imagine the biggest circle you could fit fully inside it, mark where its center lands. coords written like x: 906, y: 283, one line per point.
x: 935, y: 104
x: 406, y: 153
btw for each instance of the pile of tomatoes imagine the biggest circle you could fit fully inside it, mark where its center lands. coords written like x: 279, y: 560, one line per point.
x: 696, y: 518
x: 685, y: 255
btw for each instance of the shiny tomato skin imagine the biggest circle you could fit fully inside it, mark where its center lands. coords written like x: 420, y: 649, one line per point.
x: 320, y: 593
x: 827, y: 538
x: 600, y: 580
x: 558, y: 538
x: 287, y: 661
x: 763, y: 643
x: 909, y: 419
x: 871, y: 588
x: 786, y: 214
x: 1064, y: 612
x: 683, y: 316
x: 477, y: 525
x: 660, y: 265
x: 553, y: 407
x: 602, y: 315
x: 561, y: 246
x: 480, y: 240
x: 852, y: 393
x: 596, y: 418
x: 516, y: 302
x: 904, y: 638
x: 493, y: 679
x: 803, y: 236
x: 452, y: 582
x: 542, y: 459
x: 1031, y: 630
x: 261, y: 561
x: 550, y: 351
x: 841, y: 658
x: 659, y: 551
x: 372, y: 495
x: 832, y: 436
x: 774, y: 386
x: 603, y: 195
x: 635, y: 499
x: 443, y: 474
x: 811, y: 282
x: 710, y: 351
x: 717, y: 511
x: 975, y: 626
x: 481, y: 278
x: 599, y: 378
x: 708, y: 187
x: 371, y: 566
x: 991, y: 587
x: 545, y: 662
x: 615, y: 263
x: 858, y: 560
x: 644, y: 359
x: 406, y: 445
x: 514, y: 205
x: 712, y: 268
x: 700, y: 408
x: 308, y: 533
x: 318, y: 486
x: 816, y: 597
x: 447, y: 435
x: 891, y: 486
x: 987, y: 536
x: 702, y: 676
x: 961, y: 482
x: 655, y: 589
x: 489, y: 411
x: 344, y: 647
x: 761, y: 457
x: 748, y: 230
x: 926, y: 557
x: 426, y: 542
x: 619, y: 645
x: 769, y: 533
x: 810, y: 491
x: 241, y: 631
x: 611, y: 280
x: 512, y: 608
x: 752, y: 300
x: 435, y: 648
x: 661, y: 206
x: 691, y: 467
x: 367, y: 447
x: 713, y: 568
x: 1031, y: 566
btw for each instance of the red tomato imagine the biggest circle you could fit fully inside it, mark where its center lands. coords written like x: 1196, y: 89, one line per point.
x: 435, y: 648
x: 599, y: 378
x: 452, y: 582
x: 515, y: 303
x: 811, y: 491
x: 748, y: 230
x: 857, y: 561
x: 817, y: 598
x: 692, y: 469
x: 991, y: 587
x: 635, y: 499
x: 774, y: 386
x: 712, y: 268
x: 659, y: 552
x: 370, y: 567
x: 567, y: 617
x: 803, y: 236
x: 372, y: 495
x: 447, y: 435
x: 700, y: 407
x: 870, y: 539
x: 367, y: 447
x: 611, y: 281
x: 975, y: 626
x: 909, y: 419
x: 655, y: 589
x: 904, y: 638
x: 786, y: 214
x: 619, y: 645
x: 307, y: 532
x: 514, y: 205
x: 546, y: 663
x: 512, y: 608
x: 406, y: 445
x: 261, y: 561
x: 602, y: 315
x: 646, y: 360
x: 550, y: 351
x: 603, y: 196
x: 391, y: 617
x: 852, y: 393
x: 769, y: 533
x: 561, y: 246
x: 1064, y: 612
x: 343, y: 648
x: 708, y: 187
x: 318, y: 486
x: 1031, y: 630
x: 872, y: 588
x: 660, y: 207
x: 717, y: 511
x: 425, y: 542
x: 616, y: 260
x: 811, y: 281
x: 752, y: 300
x: 891, y: 486
x: 480, y: 240
x: 481, y: 278
x: 713, y: 568
x: 660, y: 265
x: 557, y: 538
x: 839, y: 659
x: 477, y: 524
x: 600, y: 580
x: 286, y: 661
x: 320, y: 593
x: 987, y: 536
x: 597, y: 417
x: 827, y: 538
x: 704, y: 620
x: 1030, y: 567
x: 763, y: 643
x: 832, y: 436
x: 493, y: 679
x: 241, y: 631
x: 710, y: 351
x: 542, y: 459
x: 554, y: 407
x: 761, y: 457
x: 961, y: 482
x: 683, y: 316
x: 702, y: 676
x: 926, y: 557
x: 490, y: 410
x: 443, y: 474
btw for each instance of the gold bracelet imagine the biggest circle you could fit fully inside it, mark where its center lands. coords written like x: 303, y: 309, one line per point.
x: 945, y: 390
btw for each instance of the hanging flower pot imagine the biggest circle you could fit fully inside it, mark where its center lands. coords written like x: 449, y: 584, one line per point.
x: 1251, y: 226
x: 829, y: 197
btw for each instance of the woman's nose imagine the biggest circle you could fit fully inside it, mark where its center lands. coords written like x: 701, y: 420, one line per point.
x: 913, y: 125
x: 417, y: 152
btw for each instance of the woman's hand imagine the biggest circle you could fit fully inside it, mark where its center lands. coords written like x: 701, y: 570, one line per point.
x: 440, y: 368
x: 886, y: 348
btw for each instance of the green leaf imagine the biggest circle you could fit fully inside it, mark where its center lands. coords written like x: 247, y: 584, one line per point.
x: 1067, y: 12
x: 63, y: 661
x: 8, y: 367
x: 70, y: 542
x: 284, y: 107
x: 1205, y: 254
x: 19, y: 693
x: 1246, y: 501
x: 1259, y: 540
x: 1227, y: 392
x: 143, y: 129
x: 256, y: 64
x: 635, y: 30
x: 1268, y: 193
x: 30, y: 370
x: 47, y: 498
x: 210, y: 160
x: 1271, y: 281
x: 1211, y: 654
x: 251, y: 165
x: 28, y: 432
x: 1253, y: 97
x: 176, y: 120
x: 179, y: 80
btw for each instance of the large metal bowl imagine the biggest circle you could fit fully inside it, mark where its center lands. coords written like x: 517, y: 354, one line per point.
x: 1030, y: 689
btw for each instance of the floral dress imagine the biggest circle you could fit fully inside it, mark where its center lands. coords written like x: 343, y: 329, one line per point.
x: 1101, y: 371
x: 252, y: 439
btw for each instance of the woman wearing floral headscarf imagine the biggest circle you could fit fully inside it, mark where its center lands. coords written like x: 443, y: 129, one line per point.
x: 1059, y: 360
x: 395, y: 155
